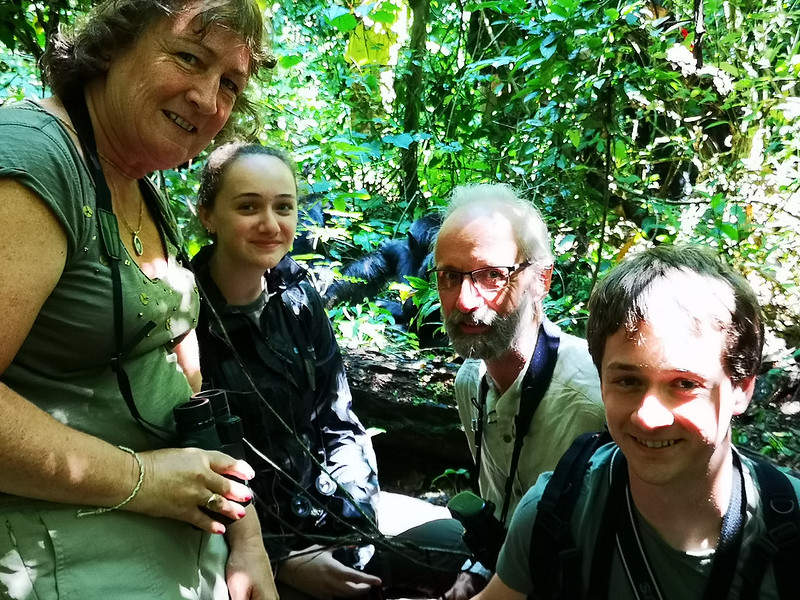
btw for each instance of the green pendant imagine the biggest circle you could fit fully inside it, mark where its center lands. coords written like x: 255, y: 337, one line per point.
x: 138, y: 247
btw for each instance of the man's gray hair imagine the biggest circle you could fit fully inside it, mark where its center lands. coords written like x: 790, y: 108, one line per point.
x: 529, y: 228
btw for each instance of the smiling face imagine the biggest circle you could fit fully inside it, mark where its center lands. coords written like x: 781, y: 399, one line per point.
x: 254, y: 214
x: 668, y: 400
x: 480, y: 324
x: 163, y: 100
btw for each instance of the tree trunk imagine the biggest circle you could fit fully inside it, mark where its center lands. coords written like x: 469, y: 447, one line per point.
x: 413, y: 100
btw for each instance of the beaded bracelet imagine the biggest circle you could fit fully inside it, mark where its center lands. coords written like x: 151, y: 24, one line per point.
x: 104, y: 509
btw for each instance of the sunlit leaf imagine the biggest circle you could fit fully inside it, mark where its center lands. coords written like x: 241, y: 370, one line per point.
x: 403, y: 140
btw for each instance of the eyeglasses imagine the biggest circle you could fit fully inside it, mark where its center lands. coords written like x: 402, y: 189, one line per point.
x: 487, y: 279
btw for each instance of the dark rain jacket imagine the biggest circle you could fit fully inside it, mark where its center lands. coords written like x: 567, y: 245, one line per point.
x: 303, y: 416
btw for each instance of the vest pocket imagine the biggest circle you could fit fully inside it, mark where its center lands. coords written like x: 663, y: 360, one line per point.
x: 26, y: 558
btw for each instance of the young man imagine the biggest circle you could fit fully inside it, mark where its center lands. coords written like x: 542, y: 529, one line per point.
x: 669, y: 509
x: 493, y: 269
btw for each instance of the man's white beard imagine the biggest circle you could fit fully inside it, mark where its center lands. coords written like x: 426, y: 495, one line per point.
x: 502, y: 335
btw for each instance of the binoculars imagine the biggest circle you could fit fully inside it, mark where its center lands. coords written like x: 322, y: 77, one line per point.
x: 206, y: 422
x: 484, y: 534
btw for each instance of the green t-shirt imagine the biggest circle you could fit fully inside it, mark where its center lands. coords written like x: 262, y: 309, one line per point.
x: 63, y: 366
x: 682, y: 575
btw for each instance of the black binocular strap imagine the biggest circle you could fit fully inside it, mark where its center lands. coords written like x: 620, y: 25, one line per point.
x: 534, y: 385
x: 480, y: 404
x: 109, y: 233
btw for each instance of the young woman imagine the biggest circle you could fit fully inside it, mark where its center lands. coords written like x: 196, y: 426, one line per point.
x: 266, y: 339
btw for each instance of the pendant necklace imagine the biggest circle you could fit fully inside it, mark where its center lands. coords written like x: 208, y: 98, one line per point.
x: 138, y: 247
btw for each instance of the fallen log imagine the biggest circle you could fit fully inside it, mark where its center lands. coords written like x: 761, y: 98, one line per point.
x: 407, y: 400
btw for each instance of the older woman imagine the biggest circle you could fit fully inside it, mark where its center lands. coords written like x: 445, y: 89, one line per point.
x: 96, y: 344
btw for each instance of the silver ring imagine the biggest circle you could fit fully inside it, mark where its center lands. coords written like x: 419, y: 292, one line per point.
x: 213, y: 501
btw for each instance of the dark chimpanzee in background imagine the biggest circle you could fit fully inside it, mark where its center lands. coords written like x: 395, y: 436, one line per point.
x: 394, y: 260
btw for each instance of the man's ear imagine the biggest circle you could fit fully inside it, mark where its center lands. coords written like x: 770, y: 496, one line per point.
x: 742, y: 393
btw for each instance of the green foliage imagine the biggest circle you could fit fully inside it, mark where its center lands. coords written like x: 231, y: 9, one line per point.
x: 585, y: 106
x: 452, y: 480
x: 595, y: 110
x: 26, y: 26
x: 18, y: 79
x: 368, y: 325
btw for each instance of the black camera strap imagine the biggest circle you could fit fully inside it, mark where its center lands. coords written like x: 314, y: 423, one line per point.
x: 534, y: 385
x: 109, y: 233
x: 620, y: 528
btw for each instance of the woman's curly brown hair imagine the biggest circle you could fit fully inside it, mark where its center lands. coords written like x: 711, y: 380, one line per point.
x: 73, y: 58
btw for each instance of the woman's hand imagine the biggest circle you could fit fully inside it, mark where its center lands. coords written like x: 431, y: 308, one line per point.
x: 317, y: 573
x: 178, y: 482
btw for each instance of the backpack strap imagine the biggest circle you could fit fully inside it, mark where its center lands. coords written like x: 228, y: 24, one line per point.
x: 535, y: 384
x: 780, y: 544
x: 554, y: 560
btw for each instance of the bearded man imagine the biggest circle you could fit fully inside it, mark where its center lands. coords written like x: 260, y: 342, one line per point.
x: 526, y: 390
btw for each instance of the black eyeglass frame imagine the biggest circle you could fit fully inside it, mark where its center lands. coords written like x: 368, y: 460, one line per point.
x: 511, y: 270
